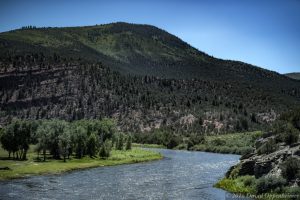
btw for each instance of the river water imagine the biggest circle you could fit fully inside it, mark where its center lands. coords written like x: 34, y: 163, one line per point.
x: 180, y: 175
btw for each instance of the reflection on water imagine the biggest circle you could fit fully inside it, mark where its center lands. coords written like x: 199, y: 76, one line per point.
x: 181, y: 175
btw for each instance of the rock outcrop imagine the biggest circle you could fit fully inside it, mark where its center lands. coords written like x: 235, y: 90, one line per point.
x: 265, y: 164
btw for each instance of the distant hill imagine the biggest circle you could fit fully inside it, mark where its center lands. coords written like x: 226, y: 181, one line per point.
x: 295, y: 75
x: 140, y: 75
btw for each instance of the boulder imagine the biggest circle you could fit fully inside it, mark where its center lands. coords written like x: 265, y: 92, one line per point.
x: 247, y: 167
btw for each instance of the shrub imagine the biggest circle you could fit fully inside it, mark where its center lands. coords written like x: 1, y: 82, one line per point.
x: 291, y: 168
x: 218, y: 142
x: 295, y: 191
x: 249, y: 181
x: 291, y: 137
x: 105, y: 149
x: 173, y: 142
x: 268, y: 147
x: 269, y: 183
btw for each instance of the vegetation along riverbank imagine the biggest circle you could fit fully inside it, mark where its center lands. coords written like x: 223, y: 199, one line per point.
x: 55, y: 146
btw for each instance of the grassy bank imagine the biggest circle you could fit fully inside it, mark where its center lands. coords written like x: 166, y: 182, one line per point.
x: 254, y: 188
x: 148, y: 145
x: 19, y: 169
x: 236, y: 143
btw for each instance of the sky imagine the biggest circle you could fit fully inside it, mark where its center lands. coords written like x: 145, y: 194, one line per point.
x: 265, y: 33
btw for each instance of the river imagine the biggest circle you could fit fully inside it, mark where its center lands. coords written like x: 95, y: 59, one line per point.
x: 180, y: 175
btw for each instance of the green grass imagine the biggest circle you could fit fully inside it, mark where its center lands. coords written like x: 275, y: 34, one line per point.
x: 236, y: 143
x: 236, y: 185
x: 148, y: 145
x: 19, y: 169
x: 246, y: 186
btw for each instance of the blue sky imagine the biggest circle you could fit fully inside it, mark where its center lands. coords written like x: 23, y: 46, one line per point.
x: 260, y: 32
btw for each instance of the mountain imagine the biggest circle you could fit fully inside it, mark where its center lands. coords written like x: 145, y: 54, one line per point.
x: 140, y: 75
x: 295, y: 75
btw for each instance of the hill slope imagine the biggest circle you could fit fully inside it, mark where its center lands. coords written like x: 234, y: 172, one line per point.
x: 295, y: 75
x: 135, y: 49
x: 66, y: 73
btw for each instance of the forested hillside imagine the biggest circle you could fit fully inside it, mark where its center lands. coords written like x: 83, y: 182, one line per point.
x: 140, y: 75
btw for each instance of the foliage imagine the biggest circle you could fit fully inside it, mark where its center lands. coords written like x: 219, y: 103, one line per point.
x: 128, y: 142
x: 239, y: 185
x: 16, y: 138
x: 60, y: 138
x: 268, y: 147
x: 120, y: 142
x: 64, y: 144
x: 92, y: 145
x: 291, y: 168
x: 237, y: 143
x: 105, y: 149
x: 269, y: 183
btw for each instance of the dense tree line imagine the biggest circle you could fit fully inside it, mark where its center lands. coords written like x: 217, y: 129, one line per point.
x: 62, y: 139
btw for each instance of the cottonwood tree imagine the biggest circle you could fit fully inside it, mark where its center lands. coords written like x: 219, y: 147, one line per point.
x: 16, y: 138
x: 91, y: 146
x: 43, y: 134
x: 64, y: 144
x: 80, y: 141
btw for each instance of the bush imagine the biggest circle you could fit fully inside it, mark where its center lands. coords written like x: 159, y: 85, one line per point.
x: 218, y: 142
x: 105, y: 149
x: 291, y: 137
x: 293, y: 191
x: 291, y: 168
x: 249, y: 181
x: 269, y: 183
x: 173, y: 142
x: 268, y: 147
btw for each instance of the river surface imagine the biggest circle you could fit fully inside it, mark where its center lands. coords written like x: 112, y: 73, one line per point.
x: 180, y: 175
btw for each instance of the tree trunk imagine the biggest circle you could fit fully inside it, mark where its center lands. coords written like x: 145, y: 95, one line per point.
x: 24, y: 155
x: 44, y: 153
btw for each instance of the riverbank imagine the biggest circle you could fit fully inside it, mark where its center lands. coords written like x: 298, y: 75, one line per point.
x: 21, y: 169
x: 248, y: 186
x: 234, y: 143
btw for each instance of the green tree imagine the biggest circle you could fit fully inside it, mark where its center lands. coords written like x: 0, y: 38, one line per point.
x: 16, y: 138
x: 64, y: 143
x: 43, y: 134
x: 57, y: 127
x: 105, y: 149
x: 80, y: 141
x: 7, y: 140
x: 92, y: 145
